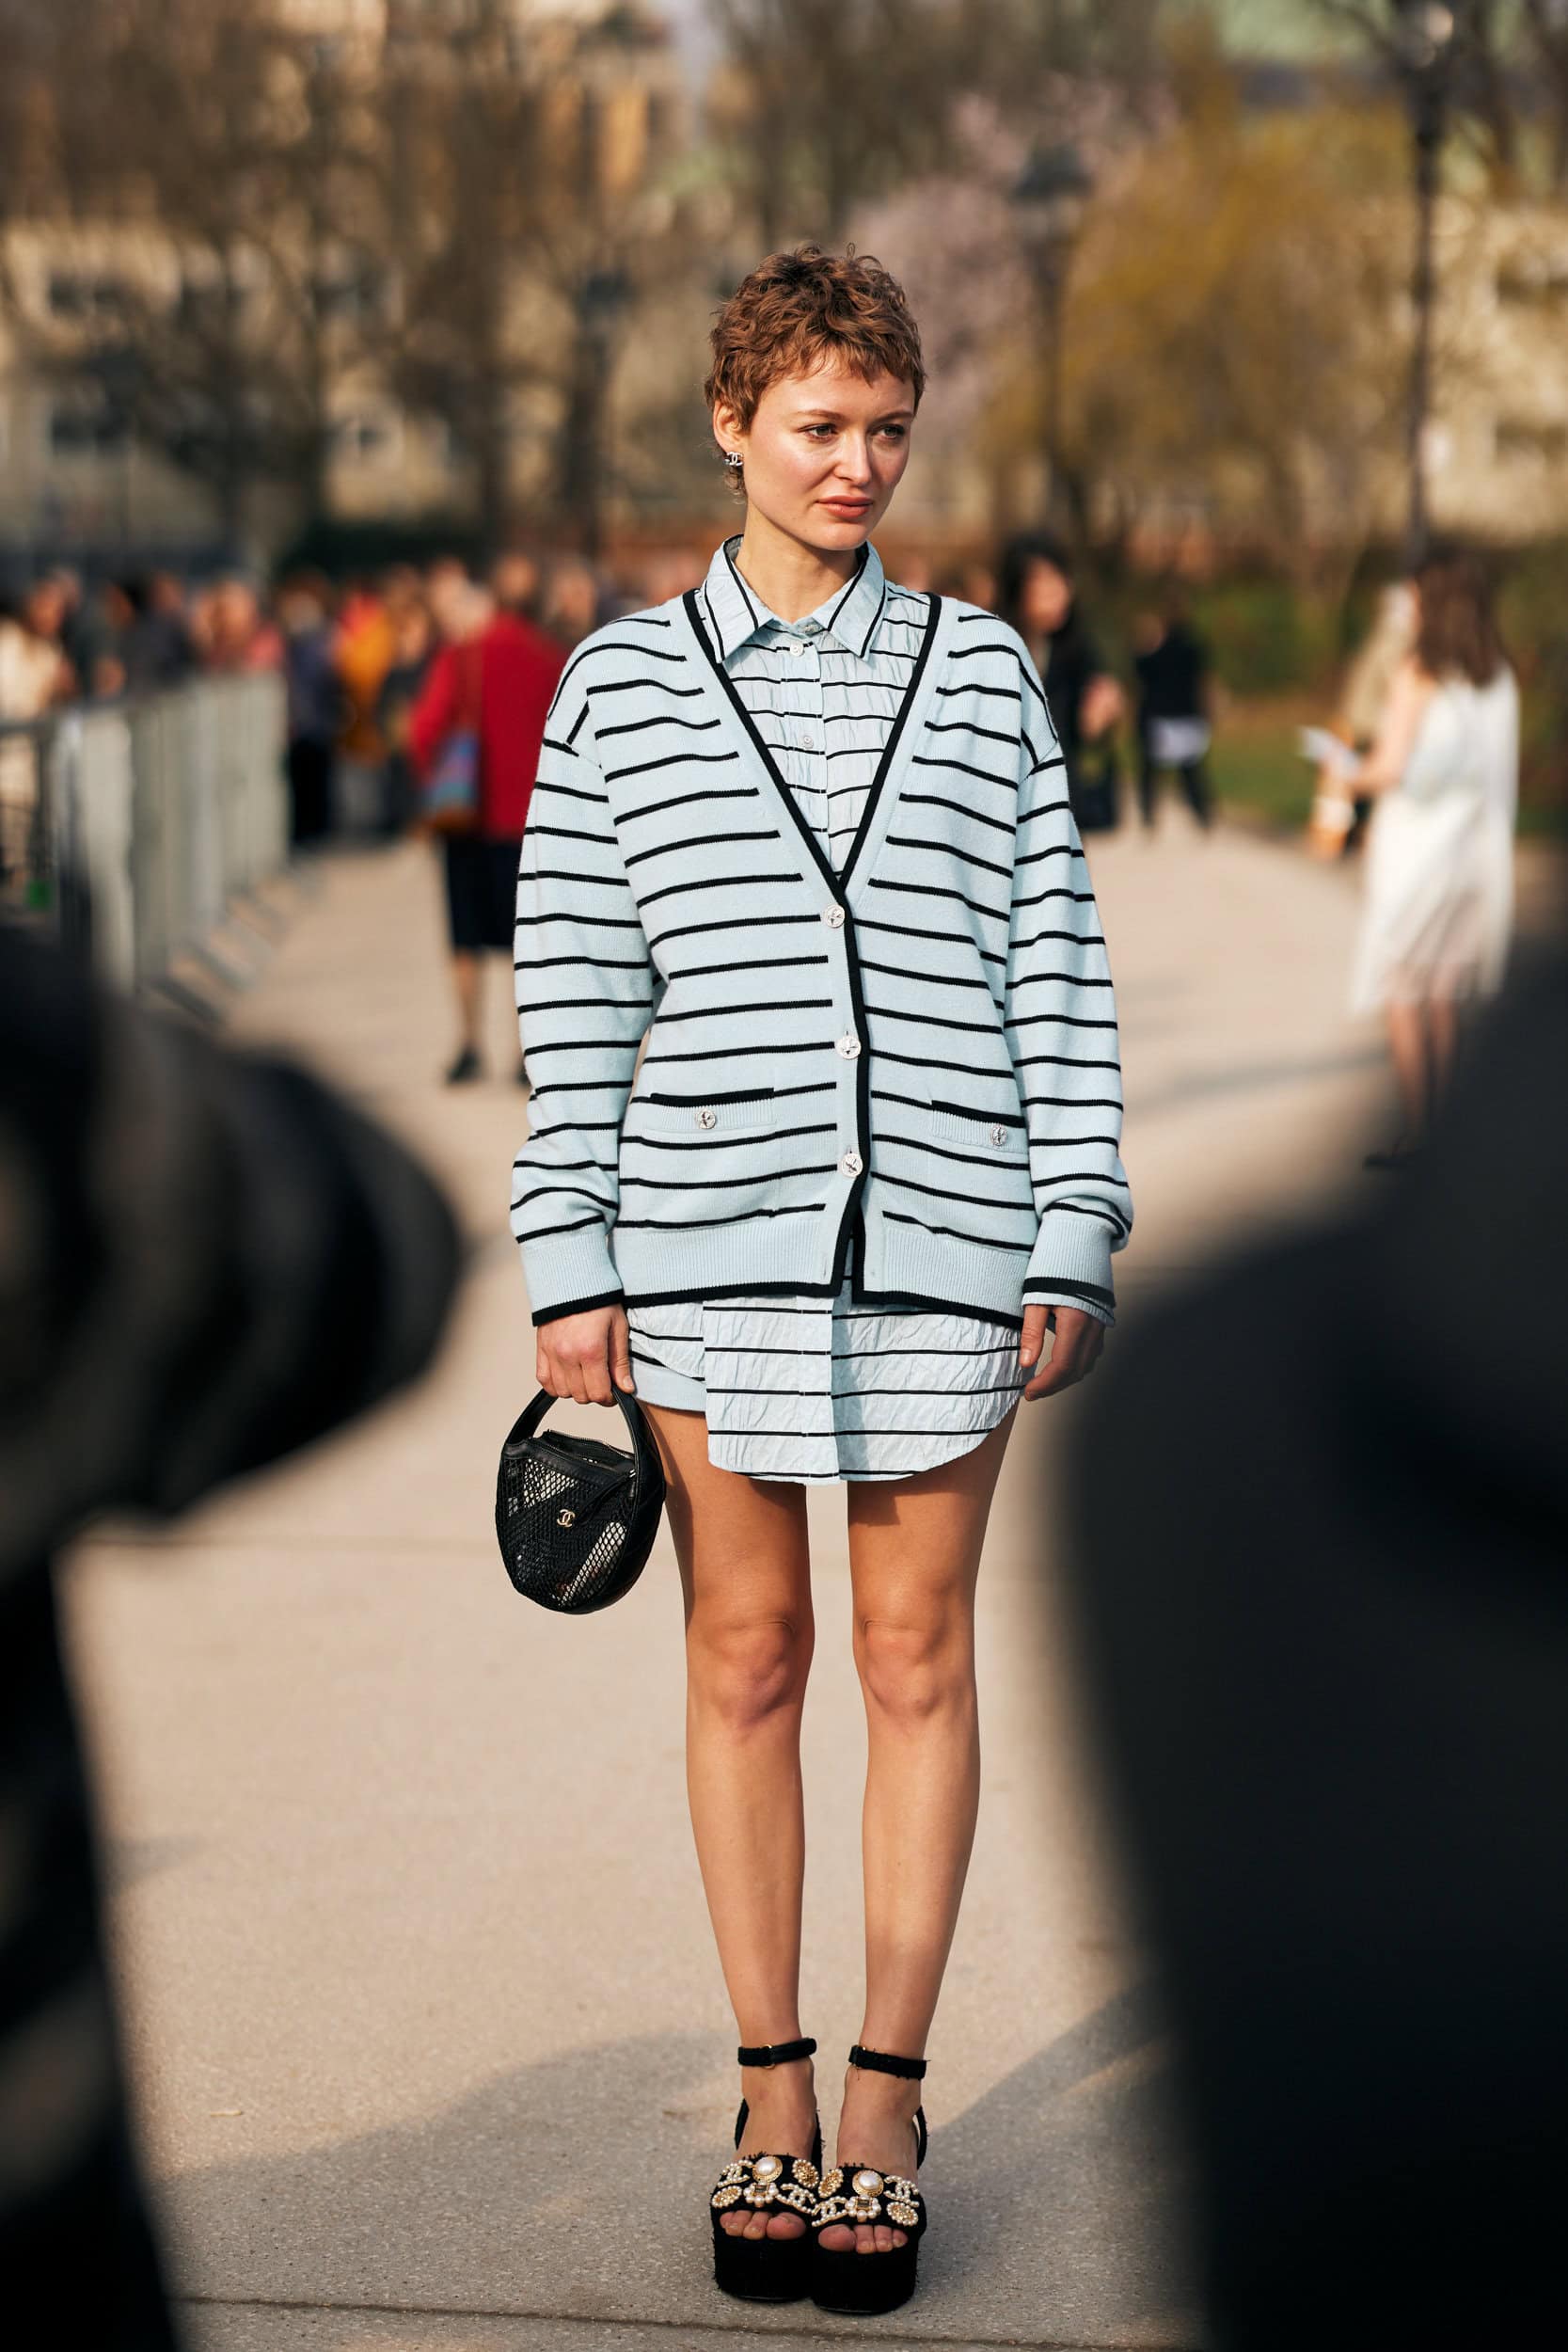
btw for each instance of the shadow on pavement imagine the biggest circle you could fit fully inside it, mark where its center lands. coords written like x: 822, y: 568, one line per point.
x: 1056, y: 2203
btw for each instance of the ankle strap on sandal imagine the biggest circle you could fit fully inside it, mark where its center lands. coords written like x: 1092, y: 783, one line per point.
x: 882, y: 2062
x: 773, y: 2053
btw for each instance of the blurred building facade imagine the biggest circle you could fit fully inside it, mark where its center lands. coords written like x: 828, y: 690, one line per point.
x: 107, y: 304
x: 495, y: 233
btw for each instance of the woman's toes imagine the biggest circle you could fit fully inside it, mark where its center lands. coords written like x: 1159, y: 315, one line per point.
x: 838, y: 2239
x: 732, y: 2224
x: 784, y: 2225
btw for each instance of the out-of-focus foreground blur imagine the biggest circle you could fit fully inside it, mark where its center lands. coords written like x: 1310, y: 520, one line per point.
x: 309, y: 311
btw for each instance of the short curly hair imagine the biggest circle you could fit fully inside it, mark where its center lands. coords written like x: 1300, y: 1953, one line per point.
x: 796, y: 310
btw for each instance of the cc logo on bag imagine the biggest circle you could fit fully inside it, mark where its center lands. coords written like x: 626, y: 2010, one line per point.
x: 565, y: 1518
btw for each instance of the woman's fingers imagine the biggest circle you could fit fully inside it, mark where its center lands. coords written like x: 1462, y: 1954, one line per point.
x: 1079, y: 1341
x: 620, y: 1349
x: 586, y: 1356
x: 1031, y: 1338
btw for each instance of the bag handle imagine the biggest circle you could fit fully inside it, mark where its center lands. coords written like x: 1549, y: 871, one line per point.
x: 641, y: 1437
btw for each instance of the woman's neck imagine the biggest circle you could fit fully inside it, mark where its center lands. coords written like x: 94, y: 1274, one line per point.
x: 791, y: 578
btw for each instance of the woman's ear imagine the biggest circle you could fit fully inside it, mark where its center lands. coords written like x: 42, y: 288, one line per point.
x: 728, y: 431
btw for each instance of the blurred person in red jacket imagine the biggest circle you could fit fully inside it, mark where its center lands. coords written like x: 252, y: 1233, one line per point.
x: 498, y: 682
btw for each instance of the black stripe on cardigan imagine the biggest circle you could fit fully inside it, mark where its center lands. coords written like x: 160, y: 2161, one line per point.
x: 671, y: 759
x: 714, y: 792
x: 664, y: 719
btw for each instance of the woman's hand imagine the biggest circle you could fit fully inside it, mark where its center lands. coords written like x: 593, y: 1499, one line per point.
x: 1079, y: 1341
x: 1102, y: 708
x: 580, y: 1356
x: 1332, y: 816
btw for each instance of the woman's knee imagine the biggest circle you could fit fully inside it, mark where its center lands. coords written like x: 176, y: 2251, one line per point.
x: 913, y: 1666
x: 751, y: 1668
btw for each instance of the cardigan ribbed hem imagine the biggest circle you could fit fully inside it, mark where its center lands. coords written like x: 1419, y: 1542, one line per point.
x: 1071, y: 1250
x: 763, y: 1253
x: 570, y: 1272
x: 1071, y: 1267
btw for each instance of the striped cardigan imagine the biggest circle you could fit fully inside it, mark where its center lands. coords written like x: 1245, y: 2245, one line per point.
x: 917, y: 1053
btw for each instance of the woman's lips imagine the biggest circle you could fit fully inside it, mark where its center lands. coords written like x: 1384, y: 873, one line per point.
x: 849, y: 507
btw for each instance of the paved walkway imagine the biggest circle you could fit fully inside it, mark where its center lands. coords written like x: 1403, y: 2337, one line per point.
x: 419, y: 1983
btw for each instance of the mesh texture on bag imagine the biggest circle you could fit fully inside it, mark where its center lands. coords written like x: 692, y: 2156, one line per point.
x: 592, y: 1559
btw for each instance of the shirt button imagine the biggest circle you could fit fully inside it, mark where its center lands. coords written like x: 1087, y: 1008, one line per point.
x: 851, y: 1163
x: 834, y: 917
x: 998, y: 1134
x: 707, y: 1118
x: 797, y: 647
x: 850, y: 1047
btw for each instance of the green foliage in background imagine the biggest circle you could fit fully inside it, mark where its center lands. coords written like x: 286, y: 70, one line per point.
x: 1279, y: 651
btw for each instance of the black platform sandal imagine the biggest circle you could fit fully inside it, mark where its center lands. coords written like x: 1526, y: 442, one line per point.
x: 767, y: 2269
x: 850, y: 2281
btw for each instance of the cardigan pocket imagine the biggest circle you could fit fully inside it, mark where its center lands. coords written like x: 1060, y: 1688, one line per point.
x: 666, y: 1111
x: 699, y: 1159
x: 994, y: 1135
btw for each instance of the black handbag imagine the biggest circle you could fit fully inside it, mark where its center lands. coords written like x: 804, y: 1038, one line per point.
x: 576, y: 1518
x: 1094, y: 789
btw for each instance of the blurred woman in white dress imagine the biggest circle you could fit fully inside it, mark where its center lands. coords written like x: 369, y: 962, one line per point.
x: 1439, y: 895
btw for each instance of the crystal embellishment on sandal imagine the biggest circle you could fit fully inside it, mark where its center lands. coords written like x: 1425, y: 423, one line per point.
x: 864, y: 2203
x: 761, y: 2180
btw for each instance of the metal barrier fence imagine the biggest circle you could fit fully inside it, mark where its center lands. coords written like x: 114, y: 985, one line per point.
x: 128, y: 828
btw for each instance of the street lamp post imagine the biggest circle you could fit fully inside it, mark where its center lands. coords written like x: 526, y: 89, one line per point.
x: 1424, y: 36
x: 1048, y: 200
x: 602, y: 295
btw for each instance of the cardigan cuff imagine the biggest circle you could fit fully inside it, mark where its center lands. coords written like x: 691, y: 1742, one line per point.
x: 1070, y: 1262
x: 568, y: 1272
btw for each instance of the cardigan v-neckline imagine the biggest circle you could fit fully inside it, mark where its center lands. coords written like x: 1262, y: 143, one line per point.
x: 878, y: 802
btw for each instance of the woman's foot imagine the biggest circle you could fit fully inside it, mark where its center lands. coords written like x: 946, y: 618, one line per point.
x: 876, y: 2128
x: 781, y: 2121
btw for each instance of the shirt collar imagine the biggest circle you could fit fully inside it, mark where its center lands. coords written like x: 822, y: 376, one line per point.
x: 849, y: 616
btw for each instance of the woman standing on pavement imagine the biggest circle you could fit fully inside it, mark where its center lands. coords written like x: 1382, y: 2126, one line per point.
x: 802, y: 837
x: 1443, y: 771
x: 1037, y: 595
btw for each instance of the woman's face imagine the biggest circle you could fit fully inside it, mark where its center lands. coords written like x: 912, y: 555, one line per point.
x: 1046, y: 599
x: 824, y: 452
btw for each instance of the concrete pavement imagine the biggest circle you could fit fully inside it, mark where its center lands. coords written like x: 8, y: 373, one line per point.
x: 419, y: 1991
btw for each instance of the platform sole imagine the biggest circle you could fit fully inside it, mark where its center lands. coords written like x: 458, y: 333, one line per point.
x: 762, y: 2269
x: 862, y: 2286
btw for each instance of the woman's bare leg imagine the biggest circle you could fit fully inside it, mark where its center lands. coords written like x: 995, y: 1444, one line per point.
x: 467, y: 982
x: 746, y: 1571
x: 1443, y: 1032
x: 914, y: 1553
x: 1407, y: 1042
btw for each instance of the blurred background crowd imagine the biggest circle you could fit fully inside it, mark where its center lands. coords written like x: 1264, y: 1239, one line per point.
x: 307, y: 302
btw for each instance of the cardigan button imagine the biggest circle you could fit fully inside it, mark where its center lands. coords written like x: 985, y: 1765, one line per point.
x: 834, y: 917
x: 707, y: 1118
x: 850, y: 1047
x: 851, y: 1163
x: 998, y: 1134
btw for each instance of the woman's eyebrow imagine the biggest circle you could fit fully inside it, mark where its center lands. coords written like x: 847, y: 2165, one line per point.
x: 836, y: 416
